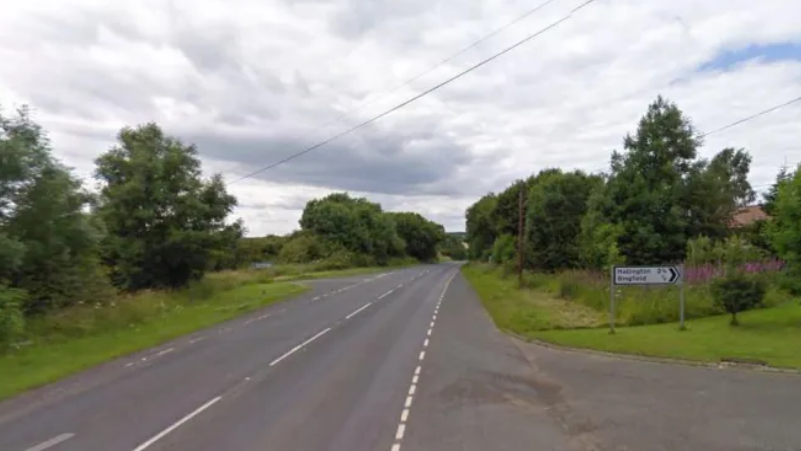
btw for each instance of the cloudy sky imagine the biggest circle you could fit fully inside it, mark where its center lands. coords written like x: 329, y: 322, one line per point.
x: 252, y: 81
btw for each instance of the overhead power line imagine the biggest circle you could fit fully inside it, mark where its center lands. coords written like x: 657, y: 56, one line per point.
x: 419, y: 96
x: 739, y: 121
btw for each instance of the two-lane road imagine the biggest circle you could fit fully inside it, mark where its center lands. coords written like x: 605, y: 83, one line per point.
x: 403, y: 361
x: 328, y: 370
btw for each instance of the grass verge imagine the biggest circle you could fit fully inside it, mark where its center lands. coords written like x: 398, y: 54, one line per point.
x: 83, y: 337
x: 770, y: 335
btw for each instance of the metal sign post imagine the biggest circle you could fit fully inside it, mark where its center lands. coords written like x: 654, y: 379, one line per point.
x: 646, y: 275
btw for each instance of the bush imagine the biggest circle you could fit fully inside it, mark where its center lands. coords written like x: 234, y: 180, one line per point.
x: 12, y: 321
x: 738, y: 293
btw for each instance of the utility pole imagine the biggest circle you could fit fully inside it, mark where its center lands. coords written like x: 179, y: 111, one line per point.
x: 520, y: 237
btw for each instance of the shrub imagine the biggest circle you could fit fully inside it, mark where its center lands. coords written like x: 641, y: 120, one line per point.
x: 738, y: 293
x: 12, y: 321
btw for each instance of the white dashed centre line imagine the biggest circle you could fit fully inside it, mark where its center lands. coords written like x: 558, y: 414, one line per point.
x: 177, y: 424
x: 416, y: 378
x: 299, y: 347
x: 51, y: 443
x: 166, y: 351
x: 356, y: 312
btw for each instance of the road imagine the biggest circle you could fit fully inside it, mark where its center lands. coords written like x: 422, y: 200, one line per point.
x: 406, y: 360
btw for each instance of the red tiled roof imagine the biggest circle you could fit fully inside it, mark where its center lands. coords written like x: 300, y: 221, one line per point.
x: 747, y: 216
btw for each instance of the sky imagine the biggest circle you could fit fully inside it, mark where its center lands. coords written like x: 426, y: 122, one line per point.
x: 251, y: 82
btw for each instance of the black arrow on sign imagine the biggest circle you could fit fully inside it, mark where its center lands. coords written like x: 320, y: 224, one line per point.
x: 674, y: 275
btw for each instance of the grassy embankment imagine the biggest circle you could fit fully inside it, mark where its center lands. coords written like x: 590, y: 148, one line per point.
x: 66, y: 342
x: 571, y: 310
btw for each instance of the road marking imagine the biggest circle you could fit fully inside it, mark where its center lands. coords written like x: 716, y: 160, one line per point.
x: 315, y: 298
x: 52, y: 442
x: 396, y: 446
x: 195, y: 340
x: 356, y: 312
x: 299, y: 347
x: 400, y: 286
x: 128, y: 364
x: 166, y: 351
x: 263, y: 316
x: 177, y: 424
x: 385, y: 294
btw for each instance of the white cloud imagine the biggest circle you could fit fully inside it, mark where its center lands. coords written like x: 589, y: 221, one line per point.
x: 251, y: 81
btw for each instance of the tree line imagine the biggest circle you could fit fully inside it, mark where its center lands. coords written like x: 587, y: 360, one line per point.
x: 155, y: 222
x: 657, y: 197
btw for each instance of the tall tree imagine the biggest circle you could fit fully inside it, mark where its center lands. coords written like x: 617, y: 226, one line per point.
x: 480, y: 227
x: 48, y: 242
x: 164, y: 220
x: 420, y: 235
x: 356, y: 224
x: 555, y: 208
x: 646, y: 192
x: 785, y: 228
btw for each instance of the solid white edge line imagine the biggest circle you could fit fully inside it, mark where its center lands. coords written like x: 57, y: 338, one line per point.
x: 52, y: 442
x: 356, y: 312
x: 177, y: 424
x: 299, y: 347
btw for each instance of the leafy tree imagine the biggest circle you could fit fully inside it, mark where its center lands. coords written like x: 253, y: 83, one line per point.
x: 555, y: 209
x: 48, y: 242
x: 453, y: 246
x: 164, y: 220
x: 785, y: 228
x: 504, y: 249
x: 356, y: 224
x: 772, y: 195
x: 480, y: 227
x: 420, y: 235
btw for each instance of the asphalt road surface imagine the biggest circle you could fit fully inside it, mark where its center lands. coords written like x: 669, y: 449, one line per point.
x: 406, y: 360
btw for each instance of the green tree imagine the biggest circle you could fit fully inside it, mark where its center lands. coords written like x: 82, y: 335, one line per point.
x: 480, y: 227
x: 554, y: 212
x: 164, y: 220
x: 356, y: 224
x: 420, y: 235
x: 785, y: 228
x: 48, y: 243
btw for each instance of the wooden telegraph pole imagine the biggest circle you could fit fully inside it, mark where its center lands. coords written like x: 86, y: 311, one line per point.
x: 520, y: 238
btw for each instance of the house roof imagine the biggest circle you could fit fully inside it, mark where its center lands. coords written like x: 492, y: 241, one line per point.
x: 748, y: 215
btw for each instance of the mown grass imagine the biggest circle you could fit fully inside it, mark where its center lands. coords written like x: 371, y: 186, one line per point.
x: 544, y: 311
x: 769, y: 335
x: 79, y: 338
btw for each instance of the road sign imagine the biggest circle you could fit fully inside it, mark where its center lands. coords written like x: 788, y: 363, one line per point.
x: 646, y: 275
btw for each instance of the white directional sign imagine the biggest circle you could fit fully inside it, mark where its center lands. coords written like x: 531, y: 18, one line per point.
x: 646, y: 275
